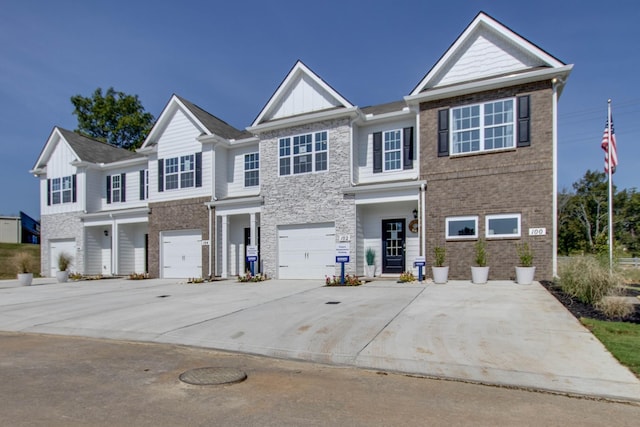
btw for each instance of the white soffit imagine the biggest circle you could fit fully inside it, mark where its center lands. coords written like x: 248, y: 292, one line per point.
x: 485, y: 49
x: 301, y: 92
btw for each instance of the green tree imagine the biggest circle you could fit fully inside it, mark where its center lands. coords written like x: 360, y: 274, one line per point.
x: 115, y: 118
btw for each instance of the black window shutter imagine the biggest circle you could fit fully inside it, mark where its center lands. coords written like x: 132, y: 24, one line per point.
x: 524, y: 133
x: 123, y: 187
x: 160, y: 175
x: 48, y: 192
x: 142, y: 184
x: 407, y: 142
x: 74, y: 198
x: 377, y: 152
x: 108, y: 189
x: 198, y: 169
x: 443, y: 133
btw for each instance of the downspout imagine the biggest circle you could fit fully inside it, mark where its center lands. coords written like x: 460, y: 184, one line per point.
x: 211, y: 241
x: 423, y: 220
x: 554, y: 126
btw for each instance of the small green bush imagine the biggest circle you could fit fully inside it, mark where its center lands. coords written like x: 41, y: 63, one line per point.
x: 337, y: 281
x: 440, y: 254
x: 481, y: 253
x: 585, y: 279
x: 525, y: 254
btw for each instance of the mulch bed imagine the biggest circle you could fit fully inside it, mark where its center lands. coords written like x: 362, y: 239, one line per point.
x: 580, y: 309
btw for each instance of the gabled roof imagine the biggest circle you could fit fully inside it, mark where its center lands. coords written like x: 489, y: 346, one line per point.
x: 206, y: 122
x: 85, y: 149
x: 486, y: 49
x: 301, y: 92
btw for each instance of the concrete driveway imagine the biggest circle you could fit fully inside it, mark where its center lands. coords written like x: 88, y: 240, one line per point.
x: 499, y: 333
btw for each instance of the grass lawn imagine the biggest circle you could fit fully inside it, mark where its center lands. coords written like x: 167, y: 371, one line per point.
x: 621, y: 339
x: 7, y: 250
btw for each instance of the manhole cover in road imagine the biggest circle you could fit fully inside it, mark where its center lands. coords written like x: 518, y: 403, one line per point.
x: 213, y: 376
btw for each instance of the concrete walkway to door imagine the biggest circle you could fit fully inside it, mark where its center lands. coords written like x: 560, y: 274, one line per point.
x: 498, y: 333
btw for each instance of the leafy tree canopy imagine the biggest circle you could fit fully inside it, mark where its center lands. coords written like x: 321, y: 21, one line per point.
x: 115, y: 118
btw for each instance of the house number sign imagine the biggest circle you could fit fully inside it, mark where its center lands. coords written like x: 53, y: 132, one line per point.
x: 541, y: 231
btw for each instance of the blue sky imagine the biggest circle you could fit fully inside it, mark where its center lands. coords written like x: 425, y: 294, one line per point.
x: 229, y: 57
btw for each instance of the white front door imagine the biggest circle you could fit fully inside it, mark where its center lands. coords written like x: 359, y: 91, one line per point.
x: 306, y: 251
x: 56, y: 247
x: 181, y: 254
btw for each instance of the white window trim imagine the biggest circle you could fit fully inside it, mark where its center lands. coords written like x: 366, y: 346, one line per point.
x: 146, y: 184
x: 116, y: 190
x: 400, y: 150
x: 291, y: 156
x: 460, y: 218
x: 500, y: 216
x: 482, y: 127
x: 54, y: 191
x: 167, y: 174
x: 257, y: 168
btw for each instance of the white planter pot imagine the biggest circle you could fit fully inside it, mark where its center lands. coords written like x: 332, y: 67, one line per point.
x: 479, y: 275
x: 524, y: 275
x: 25, y: 279
x: 440, y: 274
x: 62, y: 276
x: 370, y: 270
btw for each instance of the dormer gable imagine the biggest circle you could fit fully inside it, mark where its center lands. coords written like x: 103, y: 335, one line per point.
x: 486, y: 49
x: 206, y: 123
x: 301, y: 92
x: 81, y: 149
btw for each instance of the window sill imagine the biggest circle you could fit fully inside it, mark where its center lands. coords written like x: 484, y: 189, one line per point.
x: 480, y: 153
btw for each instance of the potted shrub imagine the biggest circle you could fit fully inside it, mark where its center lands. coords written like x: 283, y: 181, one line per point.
x: 64, y: 260
x: 370, y: 269
x: 480, y: 272
x: 439, y: 270
x: 525, y: 271
x: 24, y: 265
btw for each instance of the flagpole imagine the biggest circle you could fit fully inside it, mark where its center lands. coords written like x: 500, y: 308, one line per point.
x: 610, y: 188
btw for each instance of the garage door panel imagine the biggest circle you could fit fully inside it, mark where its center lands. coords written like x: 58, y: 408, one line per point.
x: 181, y: 254
x: 56, y: 247
x: 306, y: 251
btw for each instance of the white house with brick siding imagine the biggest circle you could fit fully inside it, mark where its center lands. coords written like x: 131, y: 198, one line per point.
x: 468, y: 154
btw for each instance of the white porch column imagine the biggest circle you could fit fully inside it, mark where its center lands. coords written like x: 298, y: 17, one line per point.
x: 252, y: 229
x: 225, y: 247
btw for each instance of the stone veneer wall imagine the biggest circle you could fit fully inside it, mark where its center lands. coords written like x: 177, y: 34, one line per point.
x: 183, y: 214
x: 306, y: 198
x: 519, y: 180
x: 61, y: 226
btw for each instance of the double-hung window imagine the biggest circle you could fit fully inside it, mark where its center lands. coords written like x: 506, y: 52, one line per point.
x: 115, y: 188
x: 251, y: 169
x: 171, y: 174
x: 392, y: 150
x: 303, y: 153
x: 56, y: 193
x: 483, y: 127
x: 187, y: 171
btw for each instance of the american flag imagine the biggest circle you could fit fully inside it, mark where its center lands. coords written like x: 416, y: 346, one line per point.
x: 605, y: 147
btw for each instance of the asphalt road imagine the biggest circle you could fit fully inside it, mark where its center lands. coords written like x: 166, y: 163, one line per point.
x: 48, y: 380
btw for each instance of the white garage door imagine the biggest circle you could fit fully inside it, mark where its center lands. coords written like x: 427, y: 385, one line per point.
x: 181, y: 254
x: 306, y: 251
x: 56, y: 247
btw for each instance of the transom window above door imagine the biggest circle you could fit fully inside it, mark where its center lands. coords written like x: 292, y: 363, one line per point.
x: 301, y: 154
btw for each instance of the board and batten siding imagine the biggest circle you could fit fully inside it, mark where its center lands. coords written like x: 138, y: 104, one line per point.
x: 363, y: 170
x: 179, y: 139
x: 58, y: 166
x: 306, y: 96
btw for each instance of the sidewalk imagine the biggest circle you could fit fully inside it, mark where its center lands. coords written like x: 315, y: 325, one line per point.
x: 499, y: 333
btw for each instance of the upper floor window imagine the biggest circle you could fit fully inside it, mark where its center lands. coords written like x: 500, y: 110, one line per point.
x: 61, y: 190
x: 251, y: 169
x: 303, y: 153
x: 143, y: 182
x: 179, y: 172
x: 393, y: 150
x: 483, y: 127
x: 116, y: 188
